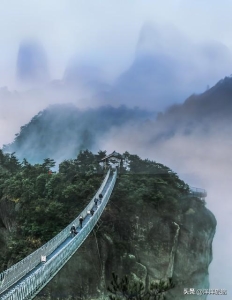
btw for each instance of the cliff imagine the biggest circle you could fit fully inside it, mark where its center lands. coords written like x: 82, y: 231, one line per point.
x: 147, y: 239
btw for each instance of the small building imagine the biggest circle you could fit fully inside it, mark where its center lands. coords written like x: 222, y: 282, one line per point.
x: 112, y: 160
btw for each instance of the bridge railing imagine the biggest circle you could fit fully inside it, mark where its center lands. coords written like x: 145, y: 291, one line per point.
x: 198, y: 192
x: 29, y: 287
x: 20, y: 269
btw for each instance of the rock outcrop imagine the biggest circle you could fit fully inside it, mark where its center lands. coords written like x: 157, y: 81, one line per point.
x: 147, y: 243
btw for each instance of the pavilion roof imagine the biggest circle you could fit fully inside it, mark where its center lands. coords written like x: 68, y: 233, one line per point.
x: 113, y: 154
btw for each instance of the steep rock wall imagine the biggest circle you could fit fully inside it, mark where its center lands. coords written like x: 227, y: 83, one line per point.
x: 144, y: 242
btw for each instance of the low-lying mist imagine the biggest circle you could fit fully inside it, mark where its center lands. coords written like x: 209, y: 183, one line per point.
x: 61, y: 131
x: 202, y: 160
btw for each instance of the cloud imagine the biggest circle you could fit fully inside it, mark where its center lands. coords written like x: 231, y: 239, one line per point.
x: 202, y: 160
x: 18, y: 108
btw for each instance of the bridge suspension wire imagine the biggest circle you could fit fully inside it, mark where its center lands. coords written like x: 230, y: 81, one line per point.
x: 25, y: 279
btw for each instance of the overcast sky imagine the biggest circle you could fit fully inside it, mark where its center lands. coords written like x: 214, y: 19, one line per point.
x: 105, y: 33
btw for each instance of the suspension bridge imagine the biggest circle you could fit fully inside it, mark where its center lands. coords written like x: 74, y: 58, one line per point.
x: 24, y: 280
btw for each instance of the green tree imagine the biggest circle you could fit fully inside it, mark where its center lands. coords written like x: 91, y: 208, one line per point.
x: 86, y: 162
x: 135, y: 290
x: 100, y: 155
x: 48, y: 164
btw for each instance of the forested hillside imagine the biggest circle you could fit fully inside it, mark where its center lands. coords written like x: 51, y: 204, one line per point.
x: 37, y: 203
x: 203, y: 114
x: 61, y: 131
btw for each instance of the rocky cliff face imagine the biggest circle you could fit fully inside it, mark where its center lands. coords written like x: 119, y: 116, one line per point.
x: 147, y: 242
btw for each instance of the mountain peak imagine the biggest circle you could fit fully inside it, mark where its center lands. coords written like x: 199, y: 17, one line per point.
x: 32, y: 66
x: 149, y: 39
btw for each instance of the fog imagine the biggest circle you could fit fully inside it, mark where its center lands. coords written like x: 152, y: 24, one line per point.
x: 166, y: 67
x: 202, y: 160
x: 104, y: 33
x: 150, y: 55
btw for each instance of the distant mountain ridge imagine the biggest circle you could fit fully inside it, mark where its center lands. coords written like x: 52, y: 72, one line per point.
x: 215, y: 103
x: 167, y: 68
x: 61, y: 131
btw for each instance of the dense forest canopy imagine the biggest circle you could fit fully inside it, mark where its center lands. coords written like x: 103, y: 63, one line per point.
x: 39, y: 203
